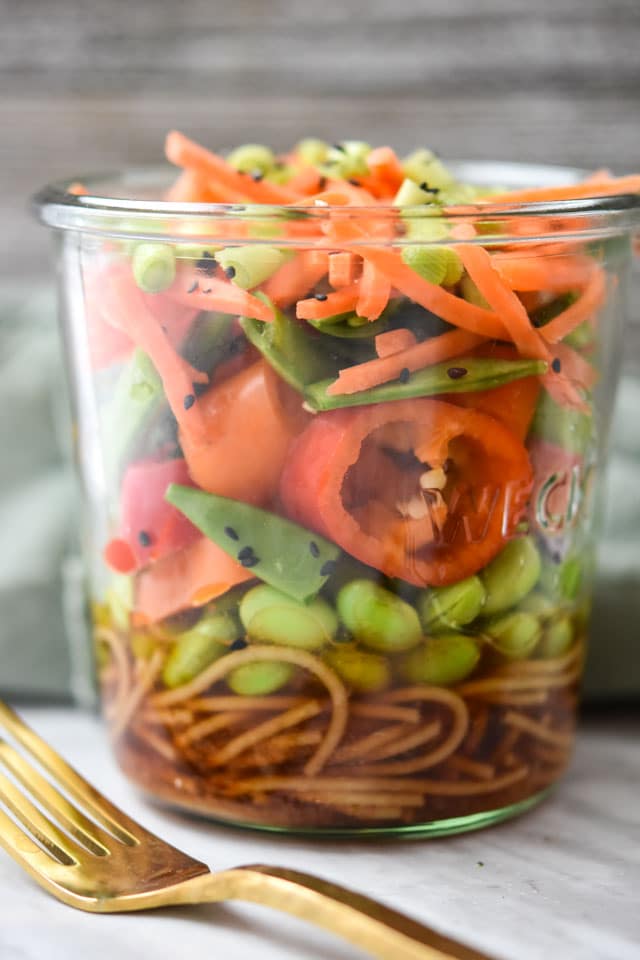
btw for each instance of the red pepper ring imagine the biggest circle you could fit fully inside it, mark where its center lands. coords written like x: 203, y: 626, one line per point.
x: 420, y: 489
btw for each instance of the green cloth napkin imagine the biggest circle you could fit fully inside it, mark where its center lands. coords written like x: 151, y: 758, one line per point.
x: 44, y: 642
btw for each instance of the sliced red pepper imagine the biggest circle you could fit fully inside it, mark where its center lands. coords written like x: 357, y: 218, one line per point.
x: 421, y: 489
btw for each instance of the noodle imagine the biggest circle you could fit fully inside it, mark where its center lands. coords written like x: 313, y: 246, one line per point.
x: 156, y: 743
x: 551, y: 665
x: 482, y: 771
x: 250, y: 738
x: 366, y: 799
x: 501, y: 684
x: 458, y: 730
x: 406, y: 743
x: 168, y: 718
x: 385, y: 711
x: 521, y: 722
x: 262, y: 652
x: 206, y: 727
x: 372, y: 740
x: 236, y: 702
x: 478, y: 728
x: 147, y: 676
x: 277, y: 749
x: 122, y: 672
x: 535, y: 698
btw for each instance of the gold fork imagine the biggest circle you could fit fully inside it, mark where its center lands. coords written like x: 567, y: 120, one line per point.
x: 96, y: 858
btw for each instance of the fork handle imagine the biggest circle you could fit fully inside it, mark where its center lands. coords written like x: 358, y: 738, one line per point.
x: 383, y: 932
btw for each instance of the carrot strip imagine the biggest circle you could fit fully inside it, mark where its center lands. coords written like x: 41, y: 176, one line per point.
x: 479, y: 266
x: 184, y: 152
x: 373, y: 294
x: 591, y: 299
x: 564, y: 392
x: 384, y: 164
x: 340, y: 301
x: 537, y: 272
x: 192, y: 187
x: 77, y: 189
x: 213, y: 294
x: 394, y: 341
x: 294, y: 279
x: 342, y: 269
x: 572, y: 191
x: 364, y: 376
x: 305, y: 182
x: 124, y: 307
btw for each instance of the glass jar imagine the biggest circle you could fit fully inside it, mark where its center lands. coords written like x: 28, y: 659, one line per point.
x: 341, y: 472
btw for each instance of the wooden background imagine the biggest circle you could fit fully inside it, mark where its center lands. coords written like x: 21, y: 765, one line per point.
x: 92, y: 84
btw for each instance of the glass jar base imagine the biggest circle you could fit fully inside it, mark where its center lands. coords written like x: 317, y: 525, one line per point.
x: 436, y: 828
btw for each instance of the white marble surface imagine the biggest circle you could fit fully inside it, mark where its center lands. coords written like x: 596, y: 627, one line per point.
x: 561, y: 883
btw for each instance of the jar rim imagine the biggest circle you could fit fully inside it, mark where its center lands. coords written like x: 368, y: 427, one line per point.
x: 106, y: 209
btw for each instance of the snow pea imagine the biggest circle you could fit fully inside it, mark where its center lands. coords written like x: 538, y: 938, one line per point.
x: 471, y: 373
x: 283, y: 554
x: 349, y: 326
x: 569, y: 429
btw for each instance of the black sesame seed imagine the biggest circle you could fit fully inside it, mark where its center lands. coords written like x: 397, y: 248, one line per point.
x: 250, y: 561
x: 200, y: 388
x: 314, y: 549
x: 404, y: 375
x: 189, y: 401
x: 230, y: 272
x: 457, y: 373
x: 144, y: 538
x: 239, y: 644
x: 354, y: 182
x: 257, y: 175
x: 339, y: 146
x: 328, y: 568
x: 321, y: 297
x: 208, y: 290
x: 238, y: 208
x: 194, y: 286
x: 322, y: 182
x: 206, y: 264
x: 245, y: 552
x: 231, y: 533
x: 556, y: 366
x: 427, y: 189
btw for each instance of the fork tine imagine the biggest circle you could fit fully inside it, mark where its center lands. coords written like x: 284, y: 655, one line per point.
x: 22, y: 847
x: 60, y: 847
x: 89, y: 834
x: 117, y: 823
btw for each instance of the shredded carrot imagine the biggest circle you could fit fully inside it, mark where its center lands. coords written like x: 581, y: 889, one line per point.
x: 583, y: 309
x: 535, y: 272
x: 574, y: 366
x: 364, y: 376
x: 296, y: 277
x: 213, y: 294
x: 342, y: 269
x: 192, y: 187
x: 77, y: 189
x: 374, y: 292
x: 478, y: 264
x: 341, y: 301
x: 571, y: 191
x: 186, y: 153
x: 385, y: 166
x: 305, y: 182
x: 394, y: 341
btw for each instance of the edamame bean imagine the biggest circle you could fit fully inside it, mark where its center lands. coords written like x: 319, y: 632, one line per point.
x: 515, y: 635
x: 154, y: 266
x: 312, y: 151
x: 557, y: 638
x: 511, y: 575
x: 377, y: 618
x: 453, y: 606
x: 251, y: 265
x: 539, y: 605
x: 562, y: 580
x: 363, y: 672
x: 195, y: 649
x: 270, y: 616
x: 260, y: 678
x: 443, y: 660
x: 252, y: 157
x: 433, y: 263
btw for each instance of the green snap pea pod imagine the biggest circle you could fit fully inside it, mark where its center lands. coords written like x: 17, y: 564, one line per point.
x: 260, y: 678
x: 252, y: 157
x: 154, y: 266
x: 195, y: 649
x: 349, y: 326
x: 249, y: 266
x: 511, y: 575
x: 275, y: 550
x: 377, y: 618
x: 363, y: 672
x: 514, y: 635
x: 570, y: 429
x: 411, y: 194
x: 481, y: 374
x: 426, y: 225
x: 289, y: 350
x: 451, y: 607
x: 436, y: 264
x: 557, y: 638
x: 347, y: 159
x: 442, y: 660
x: 270, y: 616
x: 424, y: 167
x: 210, y: 341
